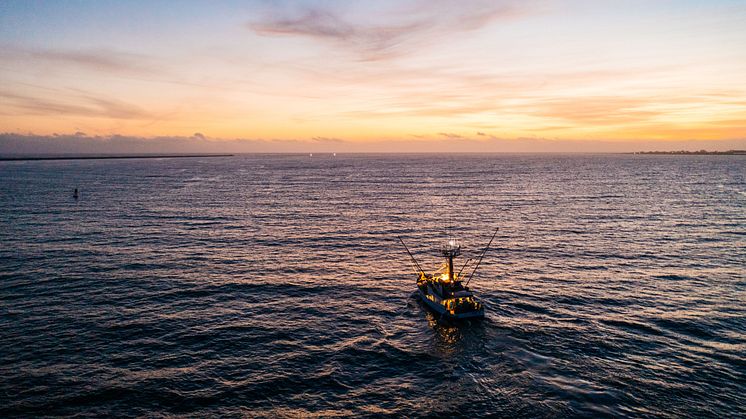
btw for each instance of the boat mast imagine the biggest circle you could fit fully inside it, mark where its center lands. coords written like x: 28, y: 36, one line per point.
x: 450, y: 250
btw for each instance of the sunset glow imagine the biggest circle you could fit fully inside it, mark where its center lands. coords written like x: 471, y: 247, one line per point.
x: 360, y: 73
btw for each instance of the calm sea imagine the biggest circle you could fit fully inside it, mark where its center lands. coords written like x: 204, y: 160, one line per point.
x: 274, y: 286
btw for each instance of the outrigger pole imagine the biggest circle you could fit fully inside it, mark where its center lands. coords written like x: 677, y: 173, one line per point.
x: 410, y: 255
x: 480, y: 258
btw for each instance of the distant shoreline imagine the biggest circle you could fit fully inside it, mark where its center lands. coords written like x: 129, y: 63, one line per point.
x: 700, y: 152
x: 113, y: 157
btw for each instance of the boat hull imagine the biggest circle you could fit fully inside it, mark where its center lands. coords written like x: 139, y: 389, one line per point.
x: 438, y: 308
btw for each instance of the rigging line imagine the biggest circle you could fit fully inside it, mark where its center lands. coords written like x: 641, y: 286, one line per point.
x: 410, y: 255
x: 480, y: 258
x: 462, y: 268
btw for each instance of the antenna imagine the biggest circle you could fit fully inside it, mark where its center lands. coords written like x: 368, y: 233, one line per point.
x: 410, y: 255
x: 480, y: 258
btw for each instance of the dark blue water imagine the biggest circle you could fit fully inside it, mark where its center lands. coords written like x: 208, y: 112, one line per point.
x: 274, y: 286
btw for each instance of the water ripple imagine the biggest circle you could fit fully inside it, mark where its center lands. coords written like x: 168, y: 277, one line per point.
x: 273, y: 286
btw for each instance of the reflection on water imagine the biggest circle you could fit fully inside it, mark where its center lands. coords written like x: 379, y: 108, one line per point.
x: 275, y: 286
x: 452, y: 336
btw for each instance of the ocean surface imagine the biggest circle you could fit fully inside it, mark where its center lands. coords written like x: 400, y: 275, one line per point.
x: 275, y: 286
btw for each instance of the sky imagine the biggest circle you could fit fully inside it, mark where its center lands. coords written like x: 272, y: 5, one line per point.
x: 408, y: 75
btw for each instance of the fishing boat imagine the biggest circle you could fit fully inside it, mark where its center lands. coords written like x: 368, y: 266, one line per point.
x: 445, y: 291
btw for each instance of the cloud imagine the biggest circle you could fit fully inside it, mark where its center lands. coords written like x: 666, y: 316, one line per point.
x: 71, y: 104
x: 78, y: 143
x: 596, y: 110
x: 99, y: 60
x: 327, y: 140
x: 369, y: 43
x: 451, y: 136
x: 390, y: 34
x: 20, y: 144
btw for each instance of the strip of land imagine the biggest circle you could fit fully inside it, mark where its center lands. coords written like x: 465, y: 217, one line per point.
x: 112, y: 157
x: 700, y: 152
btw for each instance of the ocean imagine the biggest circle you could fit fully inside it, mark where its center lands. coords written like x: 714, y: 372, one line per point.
x: 275, y: 286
